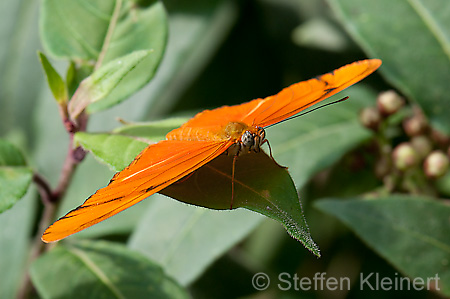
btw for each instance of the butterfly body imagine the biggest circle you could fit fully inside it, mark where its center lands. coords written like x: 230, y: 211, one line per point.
x: 244, y: 137
x: 234, y: 130
x: 246, y: 140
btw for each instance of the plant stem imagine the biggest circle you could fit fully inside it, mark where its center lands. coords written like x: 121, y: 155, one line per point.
x: 51, y: 198
x: 73, y: 158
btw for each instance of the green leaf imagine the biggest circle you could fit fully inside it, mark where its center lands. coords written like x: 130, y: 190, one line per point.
x: 102, y: 82
x: 77, y: 30
x: 153, y: 131
x: 10, y: 155
x: 119, y: 150
x: 100, y: 270
x: 15, y: 177
x: 197, y: 29
x: 14, y: 183
x: 410, y: 232
x: 17, y: 226
x: 316, y: 141
x: 260, y: 185
x: 114, y: 150
x: 185, y: 239
x: 320, y: 33
x: 20, y: 72
x: 71, y: 78
x: 144, y: 27
x: 413, y: 39
x: 54, y: 80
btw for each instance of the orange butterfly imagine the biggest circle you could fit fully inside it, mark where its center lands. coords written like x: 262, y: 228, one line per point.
x: 232, y: 129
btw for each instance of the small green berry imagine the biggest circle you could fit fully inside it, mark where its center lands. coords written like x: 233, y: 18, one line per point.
x: 405, y: 156
x: 389, y: 102
x: 436, y: 164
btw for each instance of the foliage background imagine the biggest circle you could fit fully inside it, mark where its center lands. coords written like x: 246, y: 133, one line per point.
x: 229, y: 52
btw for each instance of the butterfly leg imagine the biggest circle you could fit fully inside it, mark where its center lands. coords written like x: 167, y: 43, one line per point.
x: 270, y: 152
x: 232, y: 180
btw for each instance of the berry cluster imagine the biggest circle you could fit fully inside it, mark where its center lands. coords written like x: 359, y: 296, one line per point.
x: 411, y: 153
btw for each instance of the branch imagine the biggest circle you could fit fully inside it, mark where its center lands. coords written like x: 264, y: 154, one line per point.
x: 51, y: 198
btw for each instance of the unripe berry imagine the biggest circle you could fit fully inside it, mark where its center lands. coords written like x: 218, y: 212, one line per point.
x: 370, y: 118
x: 436, y: 164
x: 422, y: 145
x: 389, y: 102
x: 415, y: 125
x: 404, y: 156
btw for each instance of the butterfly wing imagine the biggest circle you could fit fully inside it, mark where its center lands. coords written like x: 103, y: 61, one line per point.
x: 198, y: 142
x: 302, y: 95
x: 208, y: 124
x: 273, y: 109
x: 158, y: 166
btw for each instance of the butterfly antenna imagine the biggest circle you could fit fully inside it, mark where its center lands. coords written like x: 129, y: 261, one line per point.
x: 309, y: 111
x: 232, y: 181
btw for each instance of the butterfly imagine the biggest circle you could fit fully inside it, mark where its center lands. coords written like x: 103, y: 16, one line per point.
x: 231, y: 130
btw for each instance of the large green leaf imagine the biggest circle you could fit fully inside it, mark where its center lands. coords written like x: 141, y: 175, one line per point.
x: 103, y: 81
x: 114, y: 150
x: 152, y: 131
x: 413, y: 40
x: 20, y: 74
x: 17, y: 226
x: 316, y: 141
x: 100, y: 270
x: 412, y: 233
x: 197, y: 29
x: 77, y: 30
x: 15, y: 176
x: 185, y: 239
x: 260, y: 185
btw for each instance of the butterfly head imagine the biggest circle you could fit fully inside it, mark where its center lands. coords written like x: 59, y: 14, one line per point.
x: 250, y: 140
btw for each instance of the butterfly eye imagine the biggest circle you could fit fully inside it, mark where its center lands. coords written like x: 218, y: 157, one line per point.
x: 247, y: 139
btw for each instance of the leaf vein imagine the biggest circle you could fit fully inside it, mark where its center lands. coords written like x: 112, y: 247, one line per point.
x: 432, y: 25
x: 97, y: 271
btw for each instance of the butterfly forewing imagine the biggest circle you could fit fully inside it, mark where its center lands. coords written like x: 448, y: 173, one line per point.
x: 157, y: 167
x: 300, y: 96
